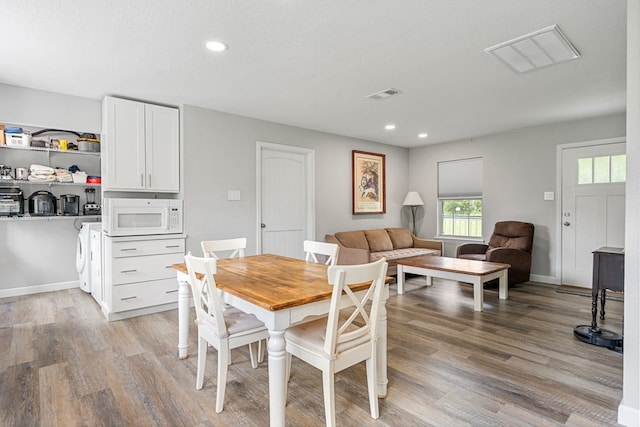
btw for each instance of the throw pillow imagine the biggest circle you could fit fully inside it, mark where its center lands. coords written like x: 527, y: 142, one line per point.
x: 353, y: 239
x: 400, y: 237
x: 378, y: 240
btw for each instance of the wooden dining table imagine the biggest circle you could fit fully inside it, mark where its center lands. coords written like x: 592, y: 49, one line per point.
x: 281, y: 292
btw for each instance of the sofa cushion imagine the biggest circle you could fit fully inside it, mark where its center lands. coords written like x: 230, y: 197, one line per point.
x: 378, y: 240
x: 353, y: 239
x: 400, y: 238
x: 402, y: 253
x: 512, y: 234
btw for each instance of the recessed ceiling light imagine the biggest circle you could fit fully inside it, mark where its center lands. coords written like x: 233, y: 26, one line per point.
x: 390, y: 127
x: 422, y: 135
x: 216, y: 46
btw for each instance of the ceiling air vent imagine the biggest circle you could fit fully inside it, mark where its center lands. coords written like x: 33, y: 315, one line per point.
x: 383, y: 94
x: 536, y: 50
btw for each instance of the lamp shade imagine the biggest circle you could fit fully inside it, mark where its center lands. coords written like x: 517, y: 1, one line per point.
x: 413, y: 199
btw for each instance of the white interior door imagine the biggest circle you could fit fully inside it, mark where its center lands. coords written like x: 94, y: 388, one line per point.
x: 593, y: 205
x: 286, y: 195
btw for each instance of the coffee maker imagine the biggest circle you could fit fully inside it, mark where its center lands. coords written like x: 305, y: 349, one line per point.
x: 91, y: 207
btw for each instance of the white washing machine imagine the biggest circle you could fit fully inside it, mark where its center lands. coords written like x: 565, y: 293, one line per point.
x: 83, y: 253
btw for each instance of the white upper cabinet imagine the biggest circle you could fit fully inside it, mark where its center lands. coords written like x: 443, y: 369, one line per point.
x: 140, y: 147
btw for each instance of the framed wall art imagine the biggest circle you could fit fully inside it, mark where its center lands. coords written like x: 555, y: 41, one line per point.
x: 368, y: 183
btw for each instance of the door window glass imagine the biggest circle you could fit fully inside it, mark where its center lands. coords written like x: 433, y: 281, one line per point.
x: 585, y: 170
x: 602, y: 169
x: 619, y: 168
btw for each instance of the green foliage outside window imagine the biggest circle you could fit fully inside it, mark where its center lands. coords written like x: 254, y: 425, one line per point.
x: 466, y: 207
x: 461, y: 217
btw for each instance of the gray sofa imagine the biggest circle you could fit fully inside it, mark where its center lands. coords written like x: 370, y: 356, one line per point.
x: 363, y: 246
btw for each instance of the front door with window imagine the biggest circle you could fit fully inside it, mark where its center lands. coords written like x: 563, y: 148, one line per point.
x: 593, y: 205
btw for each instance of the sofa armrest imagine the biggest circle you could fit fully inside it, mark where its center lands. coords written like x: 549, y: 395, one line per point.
x: 349, y: 256
x: 428, y: 244
x: 471, y: 248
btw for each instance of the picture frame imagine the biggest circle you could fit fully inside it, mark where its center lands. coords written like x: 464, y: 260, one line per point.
x: 368, y: 178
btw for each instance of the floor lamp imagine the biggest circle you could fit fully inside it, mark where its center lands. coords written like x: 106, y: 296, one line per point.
x: 413, y: 200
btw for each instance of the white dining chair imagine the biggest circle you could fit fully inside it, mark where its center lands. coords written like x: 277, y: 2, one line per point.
x: 222, y: 329
x: 329, y: 250
x: 212, y: 248
x: 233, y: 248
x: 345, y: 336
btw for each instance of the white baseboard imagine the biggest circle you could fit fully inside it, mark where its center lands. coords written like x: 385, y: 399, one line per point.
x: 627, y: 416
x: 37, y: 289
x: 544, y: 279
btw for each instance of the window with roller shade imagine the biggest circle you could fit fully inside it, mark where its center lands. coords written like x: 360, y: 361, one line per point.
x: 460, y: 198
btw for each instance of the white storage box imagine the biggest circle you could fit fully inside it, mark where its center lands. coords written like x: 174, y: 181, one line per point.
x: 18, y: 139
x: 79, y: 177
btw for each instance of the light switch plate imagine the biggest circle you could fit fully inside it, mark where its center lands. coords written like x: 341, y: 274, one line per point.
x: 549, y: 195
x: 233, y: 195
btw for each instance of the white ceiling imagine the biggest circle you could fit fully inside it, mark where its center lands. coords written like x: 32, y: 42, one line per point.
x: 310, y: 63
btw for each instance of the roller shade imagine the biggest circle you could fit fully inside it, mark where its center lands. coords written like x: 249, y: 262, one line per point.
x: 460, y: 178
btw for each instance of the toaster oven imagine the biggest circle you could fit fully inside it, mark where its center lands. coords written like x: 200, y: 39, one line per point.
x: 11, y: 201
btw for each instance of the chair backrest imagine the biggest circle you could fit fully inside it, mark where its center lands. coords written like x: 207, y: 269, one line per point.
x: 512, y: 234
x: 205, y: 294
x: 210, y: 247
x: 329, y: 250
x: 362, y: 324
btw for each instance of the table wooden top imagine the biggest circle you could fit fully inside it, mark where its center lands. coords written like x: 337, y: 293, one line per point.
x: 273, y: 282
x: 454, y: 265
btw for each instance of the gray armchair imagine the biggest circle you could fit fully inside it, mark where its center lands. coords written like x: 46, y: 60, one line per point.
x: 510, y: 243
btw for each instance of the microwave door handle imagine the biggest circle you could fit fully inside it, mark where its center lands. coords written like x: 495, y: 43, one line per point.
x: 167, y: 218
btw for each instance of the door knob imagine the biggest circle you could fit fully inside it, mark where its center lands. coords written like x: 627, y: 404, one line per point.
x: 566, y: 223
x: 262, y: 225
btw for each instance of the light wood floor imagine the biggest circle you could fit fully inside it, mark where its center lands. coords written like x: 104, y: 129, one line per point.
x: 516, y: 363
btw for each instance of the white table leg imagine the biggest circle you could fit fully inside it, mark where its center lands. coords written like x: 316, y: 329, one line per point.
x: 183, y: 317
x: 400, y: 279
x: 381, y: 353
x: 503, y: 284
x: 277, y: 378
x: 478, y: 294
x: 429, y: 280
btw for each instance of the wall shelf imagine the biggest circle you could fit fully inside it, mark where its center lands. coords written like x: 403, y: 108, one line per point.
x: 50, y: 150
x: 27, y: 217
x: 49, y: 183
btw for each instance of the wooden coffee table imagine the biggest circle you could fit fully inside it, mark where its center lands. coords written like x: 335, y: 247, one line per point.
x: 461, y: 270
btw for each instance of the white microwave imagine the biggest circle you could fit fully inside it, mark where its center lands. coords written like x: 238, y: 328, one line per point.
x: 138, y: 217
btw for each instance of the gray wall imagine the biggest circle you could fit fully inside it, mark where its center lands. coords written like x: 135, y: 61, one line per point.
x: 220, y: 155
x: 43, y: 252
x: 518, y: 167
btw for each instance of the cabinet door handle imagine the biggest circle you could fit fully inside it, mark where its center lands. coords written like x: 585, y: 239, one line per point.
x: 128, y: 298
x: 149, y: 181
x: 128, y: 271
x: 168, y: 266
x: 141, y: 180
x: 128, y: 249
x: 170, y: 292
x: 172, y: 246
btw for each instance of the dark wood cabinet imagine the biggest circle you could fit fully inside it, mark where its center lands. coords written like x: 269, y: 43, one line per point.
x: 608, y: 273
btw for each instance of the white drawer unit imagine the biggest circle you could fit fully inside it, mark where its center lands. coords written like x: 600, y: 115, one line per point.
x: 144, y: 268
x: 144, y: 294
x: 150, y: 247
x: 138, y: 274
